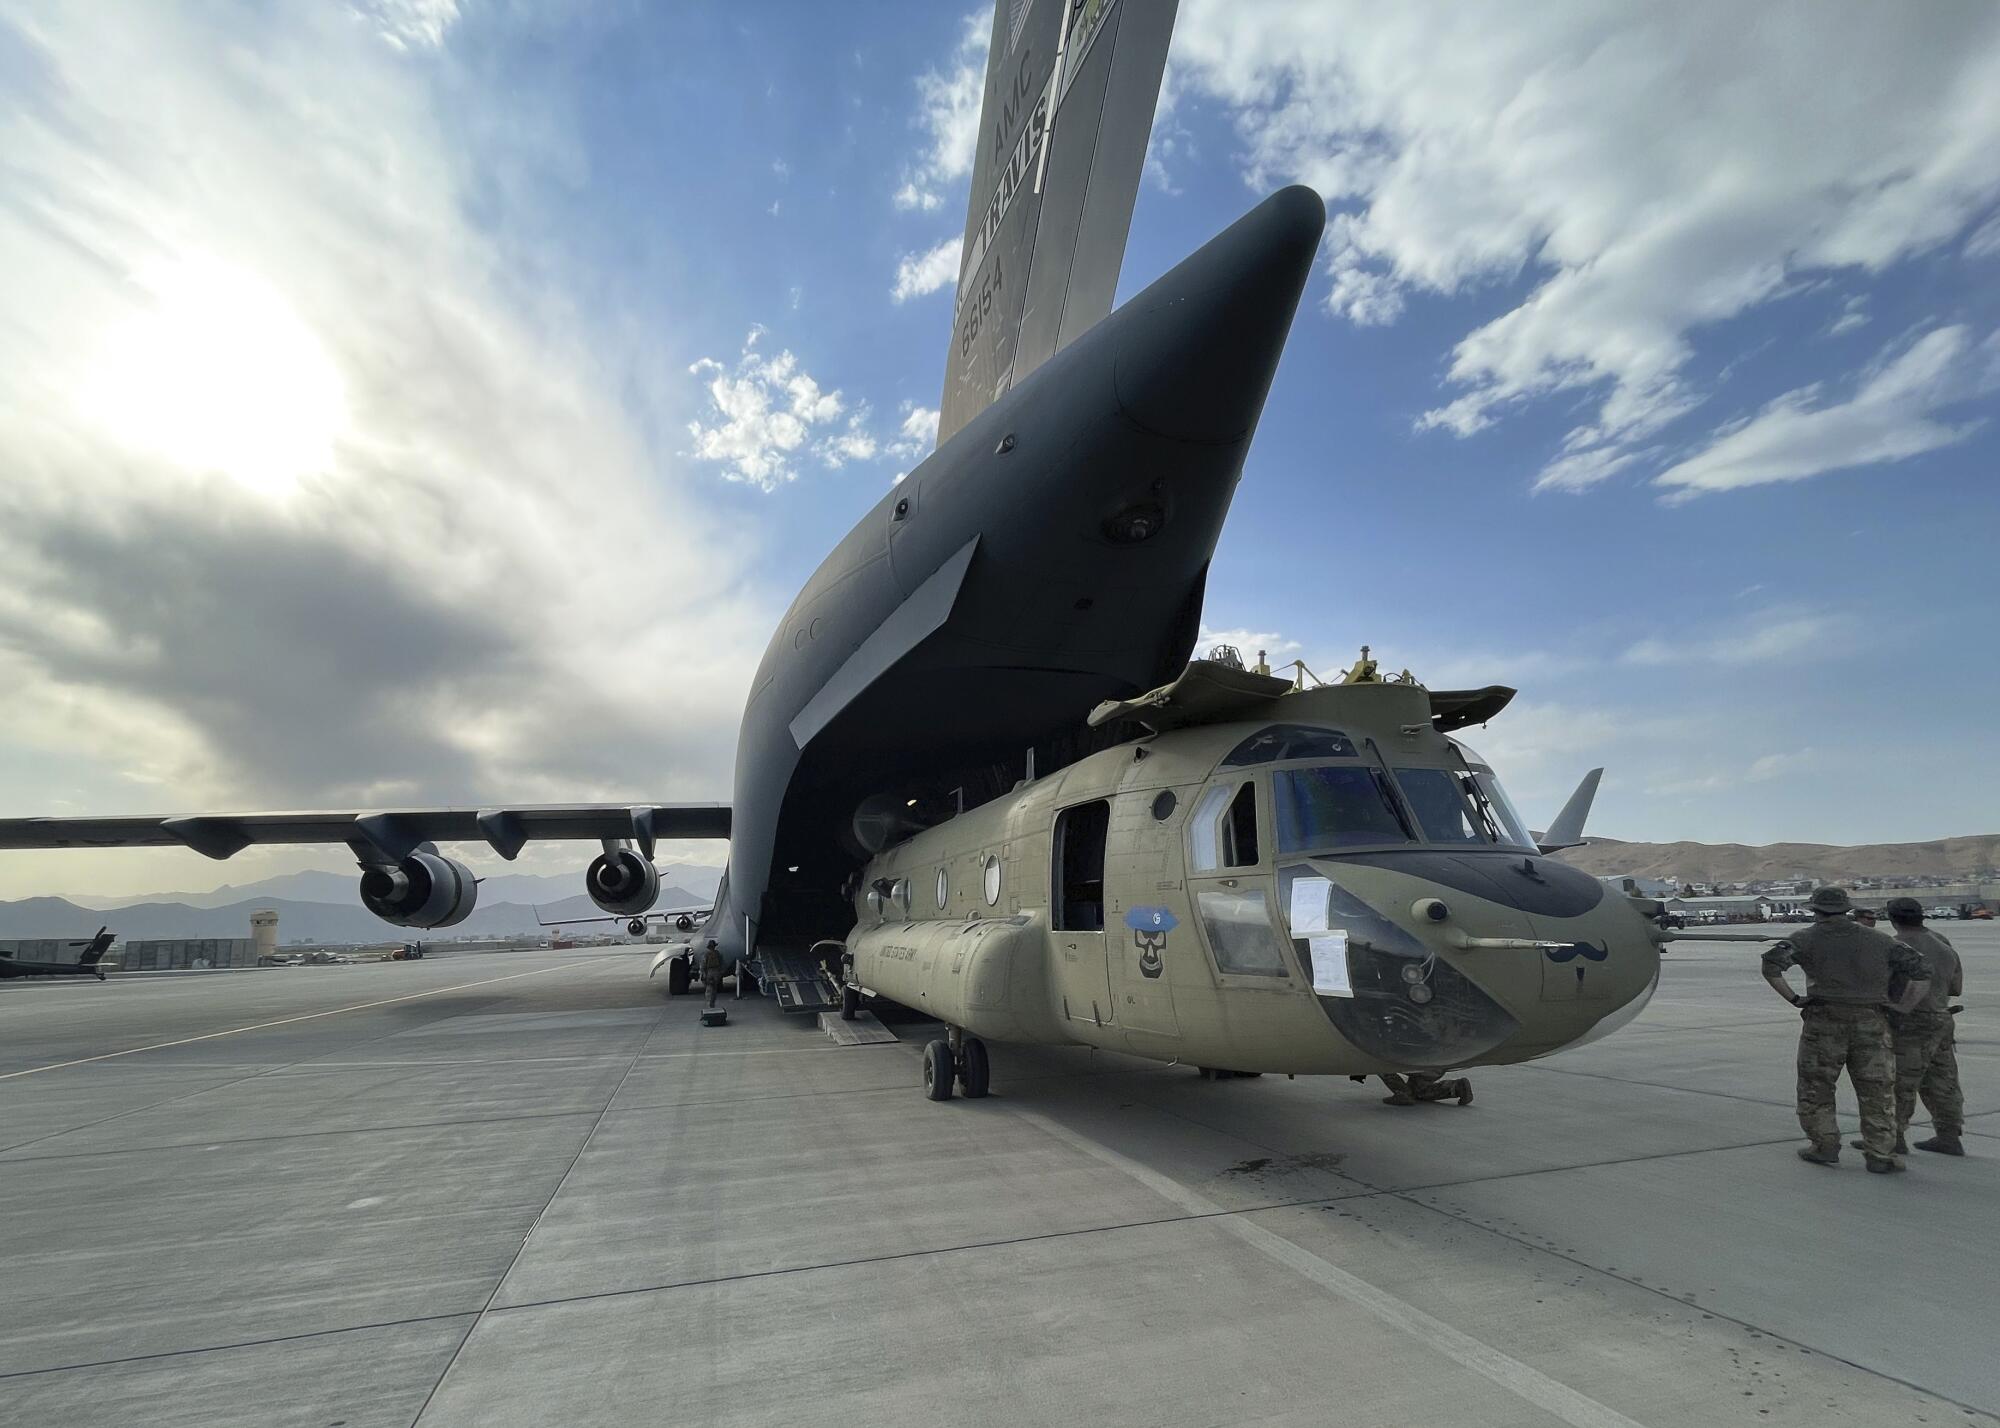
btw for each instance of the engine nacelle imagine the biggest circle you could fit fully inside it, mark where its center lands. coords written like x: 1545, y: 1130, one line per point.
x: 424, y: 890
x: 623, y: 882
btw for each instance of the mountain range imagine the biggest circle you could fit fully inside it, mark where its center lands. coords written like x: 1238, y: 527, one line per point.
x: 1824, y: 862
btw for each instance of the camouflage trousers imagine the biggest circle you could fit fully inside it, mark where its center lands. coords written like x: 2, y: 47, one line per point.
x: 1855, y: 1039
x: 1927, y: 1066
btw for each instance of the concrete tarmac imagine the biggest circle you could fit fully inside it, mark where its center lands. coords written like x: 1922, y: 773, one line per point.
x: 527, y: 1188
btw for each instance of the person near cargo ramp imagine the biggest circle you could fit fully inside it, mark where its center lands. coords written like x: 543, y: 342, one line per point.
x: 1926, y: 1051
x: 1848, y: 983
x: 711, y: 970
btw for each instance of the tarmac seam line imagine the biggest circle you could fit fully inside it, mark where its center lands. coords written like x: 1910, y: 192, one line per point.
x: 536, y: 1223
x: 671, y: 1285
x: 8, y: 1158
x: 240, y: 1344
x: 281, y: 1021
x: 1525, y: 1382
x: 1660, y: 1293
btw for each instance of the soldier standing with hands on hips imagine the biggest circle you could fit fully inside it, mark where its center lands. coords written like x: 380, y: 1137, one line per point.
x: 1849, y: 970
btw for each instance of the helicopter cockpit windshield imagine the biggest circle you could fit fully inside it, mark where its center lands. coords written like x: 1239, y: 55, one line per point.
x: 1356, y: 803
x: 1464, y: 807
x: 1336, y: 806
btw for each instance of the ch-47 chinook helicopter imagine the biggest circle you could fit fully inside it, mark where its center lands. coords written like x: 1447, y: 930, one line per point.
x: 1261, y: 877
x: 1048, y: 559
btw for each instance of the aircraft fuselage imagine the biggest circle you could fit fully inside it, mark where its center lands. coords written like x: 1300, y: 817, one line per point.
x: 1051, y: 554
x: 1338, y: 908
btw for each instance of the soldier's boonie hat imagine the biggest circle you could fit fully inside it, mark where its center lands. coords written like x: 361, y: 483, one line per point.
x: 1830, y: 900
x: 1904, y: 907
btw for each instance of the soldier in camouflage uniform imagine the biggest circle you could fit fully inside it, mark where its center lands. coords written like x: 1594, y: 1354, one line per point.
x: 1848, y: 971
x: 1425, y: 1086
x: 1926, y: 1052
x: 711, y: 971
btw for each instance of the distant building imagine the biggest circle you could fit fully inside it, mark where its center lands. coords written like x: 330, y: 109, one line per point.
x: 175, y: 953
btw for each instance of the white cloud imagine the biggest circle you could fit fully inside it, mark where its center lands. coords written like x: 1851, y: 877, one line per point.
x: 410, y: 24
x: 854, y: 442
x: 917, y: 434
x: 1583, y: 469
x: 1853, y: 315
x: 288, y: 444
x: 1772, y: 766
x: 761, y: 412
x: 1767, y: 637
x: 1889, y: 418
x: 1985, y: 240
x: 919, y: 274
x: 948, y: 101
x: 1636, y: 173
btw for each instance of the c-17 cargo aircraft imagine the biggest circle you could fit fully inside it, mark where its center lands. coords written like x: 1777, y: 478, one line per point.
x: 89, y: 963
x: 976, y: 772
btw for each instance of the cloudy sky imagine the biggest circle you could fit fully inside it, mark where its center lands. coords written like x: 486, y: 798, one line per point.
x: 417, y: 400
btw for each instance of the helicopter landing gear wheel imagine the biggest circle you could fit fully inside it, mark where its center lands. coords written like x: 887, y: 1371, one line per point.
x: 938, y: 1071
x: 975, y: 1071
x: 850, y: 1003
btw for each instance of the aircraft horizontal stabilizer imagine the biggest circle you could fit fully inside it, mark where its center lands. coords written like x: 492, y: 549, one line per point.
x: 1567, y: 830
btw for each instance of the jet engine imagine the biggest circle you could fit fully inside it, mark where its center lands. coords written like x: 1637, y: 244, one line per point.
x: 424, y: 890
x: 623, y: 881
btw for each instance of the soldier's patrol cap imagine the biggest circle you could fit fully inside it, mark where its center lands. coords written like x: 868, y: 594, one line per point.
x: 1904, y: 907
x: 1830, y: 900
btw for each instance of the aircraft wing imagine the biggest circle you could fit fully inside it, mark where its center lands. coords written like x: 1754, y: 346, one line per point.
x: 393, y: 832
x: 1070, y: 90
x: 660, y: 914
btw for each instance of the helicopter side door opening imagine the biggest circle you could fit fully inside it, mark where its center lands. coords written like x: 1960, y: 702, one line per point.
x: 1076, y: 910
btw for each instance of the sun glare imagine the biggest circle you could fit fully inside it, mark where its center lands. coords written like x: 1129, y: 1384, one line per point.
x: 218, y: 373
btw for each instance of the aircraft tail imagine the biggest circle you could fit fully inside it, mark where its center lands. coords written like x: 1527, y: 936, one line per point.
x: 94, y: 950
x: 1070, y: 90
x: 1567, y: 830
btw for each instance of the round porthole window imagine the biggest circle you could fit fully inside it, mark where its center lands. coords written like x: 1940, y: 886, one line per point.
x: 992, y: 880
x: 944, y: 888
x: 1163, y: 805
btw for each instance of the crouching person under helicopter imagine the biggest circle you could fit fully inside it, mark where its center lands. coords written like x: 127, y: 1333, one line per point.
x: 1423, y: 1086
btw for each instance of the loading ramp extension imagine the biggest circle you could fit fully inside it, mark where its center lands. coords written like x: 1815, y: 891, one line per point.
x: 797, y: 981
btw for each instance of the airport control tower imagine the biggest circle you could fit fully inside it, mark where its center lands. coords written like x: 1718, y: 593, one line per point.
x: 263, y: 934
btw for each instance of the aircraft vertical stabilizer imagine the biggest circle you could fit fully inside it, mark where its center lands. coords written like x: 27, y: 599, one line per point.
x: 1070, y: 91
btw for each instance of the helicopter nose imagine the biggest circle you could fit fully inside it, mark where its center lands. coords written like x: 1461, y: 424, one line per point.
x: 1199, y: 348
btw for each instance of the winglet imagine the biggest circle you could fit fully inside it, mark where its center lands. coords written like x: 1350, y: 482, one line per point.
x: 1567, y: 830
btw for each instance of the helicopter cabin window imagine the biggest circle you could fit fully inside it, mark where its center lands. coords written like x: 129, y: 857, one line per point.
x: 1485, y: 789
x: 1240, y: 934
x: 1223, y: 831
x: 1443, y: 803
x: 1335, y: 806
x: 1283, y: 742
x: 1079, y: 866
